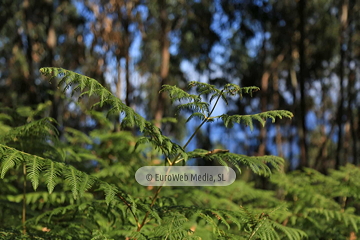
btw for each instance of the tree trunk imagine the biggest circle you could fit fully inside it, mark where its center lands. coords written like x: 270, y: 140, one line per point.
x: 302, y: 62
x: 165, y: 61
x: 118, y: 79
x: 351, y: 91
x: 51, y: 41
x: 264, y: 93
x: 276, y: 102
x: 28, y: 89
x: 127, y: 42
x: 340, y: 112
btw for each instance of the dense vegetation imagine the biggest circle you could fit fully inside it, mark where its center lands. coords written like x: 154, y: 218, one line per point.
x: 162, y: 87
x: 84, y: 188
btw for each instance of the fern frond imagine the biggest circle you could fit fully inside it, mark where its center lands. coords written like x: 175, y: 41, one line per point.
x: 81, y: 82
x: 201, y: 107
x: 34, y: 167
x: 53, y: 171
x: 73, y: 177
x: 138, y: 236
x: 258, y: 164
x: 348, y: 219
x: 172, y: 227
x: 177, y: 94
x: 204, y: 88
x: 233, y: 89
x: 41, y: 128
x: 42, y: 199
x: 260, y: 117
x: 110, y: 192
x: 52, y: 174
x: 208, y: 89
x: 86, y: 182
x: 211, y: 222
x: 290, y: 233
x: 9, y: 159
x: 161, y: 142
x: 199, y: 115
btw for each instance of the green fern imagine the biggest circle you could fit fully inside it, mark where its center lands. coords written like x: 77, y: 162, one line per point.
x: 91, y: 87
x: 96, y: 170
x: 260, y: 117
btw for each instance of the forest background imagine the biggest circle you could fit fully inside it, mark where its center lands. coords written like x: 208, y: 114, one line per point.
x: 304, y: 56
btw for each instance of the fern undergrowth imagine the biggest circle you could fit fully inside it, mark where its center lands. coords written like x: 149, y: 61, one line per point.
x: 83, y: 186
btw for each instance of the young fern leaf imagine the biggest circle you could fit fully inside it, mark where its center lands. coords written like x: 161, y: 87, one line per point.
x: 161, y: 142
x: 260, y: 117
x: 177, y: 94
x: 201, y: 107
x: 52, y: 174
x: 9, y: 159
x: 205, y: 89
x: 258, y: 164
x: 34, y: 167
x: 199, y: 115
x: 73, y: 177
x: 233, y: 90
x: 86, y: 182
x: 110, y: 192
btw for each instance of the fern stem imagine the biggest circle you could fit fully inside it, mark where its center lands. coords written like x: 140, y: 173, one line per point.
x: 23, y: 220
x: 177, y: 157
x: 203, y: 122
x: 129, y: 206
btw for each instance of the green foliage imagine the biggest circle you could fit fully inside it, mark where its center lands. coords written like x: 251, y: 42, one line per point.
x: 97, y: 171
x: 91, y: 87
x: 324, y: 205
x: 201, y: 109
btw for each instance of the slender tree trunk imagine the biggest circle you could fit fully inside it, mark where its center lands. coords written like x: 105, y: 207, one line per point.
x: 320, y: 162
x: 118, y: 78
x: 302, y: 62
x: 352, y: 118
x: 127, y: 72
x: 29, y: 86
x: 165, y: 61
x: 340, y: 112
x: 264, y: 100
x: 351, y: 92
x: 51, y: 42
x: 126, y: 23
x: 118, y: 90
x: 276, y: 101
x: 294, y: 109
